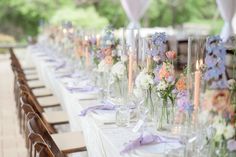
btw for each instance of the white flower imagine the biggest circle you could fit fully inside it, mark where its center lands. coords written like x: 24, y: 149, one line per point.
x: 118, y: 70
x: 162, y: 85
x: 229, y: 132
x: 222, y: 129
x: 144, y: 80
x: 103, y: 67
x: 231, y: 83
x: 124, y: 58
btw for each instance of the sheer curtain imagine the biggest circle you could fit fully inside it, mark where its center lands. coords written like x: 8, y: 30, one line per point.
x: 227, y: 10
x: 135, y: 9
x: 234, y: 22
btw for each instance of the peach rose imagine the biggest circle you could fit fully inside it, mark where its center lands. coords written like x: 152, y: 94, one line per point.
x: 171, y: 55
x: 181, y: 84
x: 220, y: 100
x: 108, y: 60
x: 165, y: 71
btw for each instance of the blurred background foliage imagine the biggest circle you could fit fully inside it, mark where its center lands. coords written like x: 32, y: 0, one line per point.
x: 22, y: 18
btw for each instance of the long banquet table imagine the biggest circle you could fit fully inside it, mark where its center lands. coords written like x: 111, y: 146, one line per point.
x: 102, y: 139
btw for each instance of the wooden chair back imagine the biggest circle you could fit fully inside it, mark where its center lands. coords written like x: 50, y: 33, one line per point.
x: 36, y: 125
x: 42, y: 150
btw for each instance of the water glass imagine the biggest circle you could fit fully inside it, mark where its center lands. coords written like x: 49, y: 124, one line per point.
x: 122, y: 116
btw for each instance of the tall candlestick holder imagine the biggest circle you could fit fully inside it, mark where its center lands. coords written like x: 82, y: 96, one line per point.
x: 131, y: 45
x: 196, y: 53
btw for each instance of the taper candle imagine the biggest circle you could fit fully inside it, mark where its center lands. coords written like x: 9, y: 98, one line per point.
x: 86, y: 52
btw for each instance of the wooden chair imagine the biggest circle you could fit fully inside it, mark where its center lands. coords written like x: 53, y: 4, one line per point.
x: 42, y: 150
x: 50, y: 118
x: 60, y: 144
x: 15, y: 60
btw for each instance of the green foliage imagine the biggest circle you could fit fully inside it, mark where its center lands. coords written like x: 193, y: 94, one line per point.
x: 22, y: 17
x: 113, y: 11
x: 86, y: 18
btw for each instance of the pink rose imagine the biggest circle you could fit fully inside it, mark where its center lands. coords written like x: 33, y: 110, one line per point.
x: 171, y: 55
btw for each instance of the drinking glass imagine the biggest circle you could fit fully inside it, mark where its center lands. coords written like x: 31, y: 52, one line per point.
x: 122, y: 116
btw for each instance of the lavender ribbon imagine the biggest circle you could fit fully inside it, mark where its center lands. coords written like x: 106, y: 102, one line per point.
x: 104, y: 106
x: 60, y: 66
x: 145, y: 139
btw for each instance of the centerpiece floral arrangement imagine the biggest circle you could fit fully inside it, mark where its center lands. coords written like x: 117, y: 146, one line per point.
x: 107, y: 55
x: 160, y: 81
x: 222, y: 107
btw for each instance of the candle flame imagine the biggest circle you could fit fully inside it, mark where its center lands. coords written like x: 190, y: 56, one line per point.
x: 197, y: 65
x: 64, y: 31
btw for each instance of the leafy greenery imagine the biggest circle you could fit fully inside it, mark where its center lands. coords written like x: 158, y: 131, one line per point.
x: 79, y: 17
x: 20, y: 18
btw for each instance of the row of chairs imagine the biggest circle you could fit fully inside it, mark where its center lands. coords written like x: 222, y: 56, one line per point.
x: 38, y: 119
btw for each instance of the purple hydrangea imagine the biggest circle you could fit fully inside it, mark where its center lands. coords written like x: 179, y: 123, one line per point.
x: 183, y: 102
x: 215, y: 63
x: 159, y: 42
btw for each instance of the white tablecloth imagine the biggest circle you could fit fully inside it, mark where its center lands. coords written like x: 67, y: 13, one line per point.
x: 101, y: 140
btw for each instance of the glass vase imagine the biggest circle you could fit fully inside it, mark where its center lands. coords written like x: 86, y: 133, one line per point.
x: 221, y: 149
x: 149, y: 104
x: 165, y: 116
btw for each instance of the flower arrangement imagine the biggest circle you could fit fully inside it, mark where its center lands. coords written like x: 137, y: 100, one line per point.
x: 222, y: 106
x: 144, y: 85
x: 107, y: 55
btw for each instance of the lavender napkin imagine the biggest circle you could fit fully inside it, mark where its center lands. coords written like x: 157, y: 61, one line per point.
x: 81, y: 89
x: 50, y: 60
x: 71, y: 75
x: 145, y: 139
x: 60, y: 66
x: 103, y: 106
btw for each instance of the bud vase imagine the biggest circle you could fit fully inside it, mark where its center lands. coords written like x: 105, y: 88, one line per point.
x: 165, y: 116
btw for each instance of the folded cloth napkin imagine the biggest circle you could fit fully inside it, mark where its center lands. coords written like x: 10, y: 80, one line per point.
x: 147, y: 138
x: 60, y: 66
x: 50, y: 60
x: 81, y: 89
x: 104, y: 106
x: 71, y: 75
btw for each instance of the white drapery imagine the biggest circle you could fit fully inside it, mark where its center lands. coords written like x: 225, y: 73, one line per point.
x: 227, y: 10
x: 135, y: 9
x: 234, y: 22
